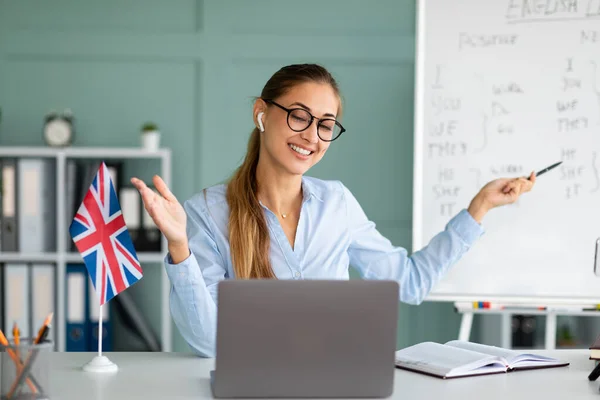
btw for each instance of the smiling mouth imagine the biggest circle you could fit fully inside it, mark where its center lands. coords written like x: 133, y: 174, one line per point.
x: 300, y: 150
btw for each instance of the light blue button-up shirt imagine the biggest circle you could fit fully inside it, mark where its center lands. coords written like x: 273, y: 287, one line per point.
x: 333, y: 233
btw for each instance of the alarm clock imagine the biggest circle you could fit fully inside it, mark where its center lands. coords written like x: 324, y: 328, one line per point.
x: 58, y: 129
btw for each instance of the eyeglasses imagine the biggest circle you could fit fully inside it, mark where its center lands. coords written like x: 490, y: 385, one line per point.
x: 298, y: 119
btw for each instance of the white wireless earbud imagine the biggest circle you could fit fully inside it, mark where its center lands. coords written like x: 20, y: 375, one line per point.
x: 260, y: 123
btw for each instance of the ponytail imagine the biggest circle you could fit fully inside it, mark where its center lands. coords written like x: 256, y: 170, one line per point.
x: 248, y: 231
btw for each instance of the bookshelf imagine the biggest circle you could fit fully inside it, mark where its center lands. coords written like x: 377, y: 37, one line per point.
x: 61, y: 257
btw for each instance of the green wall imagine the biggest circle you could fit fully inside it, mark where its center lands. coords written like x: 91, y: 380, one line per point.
x: 193, y: 67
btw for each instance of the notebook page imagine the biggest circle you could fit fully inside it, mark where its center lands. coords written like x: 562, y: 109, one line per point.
x: 482, y: 348
x: 531, y: 357
x: 511, y: 356
x: 537, y: 362
x: 485, y: 369
x: 440, y: 359
x: 533, y: 360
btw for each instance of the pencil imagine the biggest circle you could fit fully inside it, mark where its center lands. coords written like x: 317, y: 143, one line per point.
x: 44, y: 328
x: 17, y: 339
x: 17, y: 361
x: 16, y: 333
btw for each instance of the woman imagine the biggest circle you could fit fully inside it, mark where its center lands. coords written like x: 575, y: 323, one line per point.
x: 270, y: 221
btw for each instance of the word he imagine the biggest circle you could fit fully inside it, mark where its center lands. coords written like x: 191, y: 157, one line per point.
x: 444, y: 149
x: 568, y: 154
x: 480, y: 40
x: 540, y: 8
x: 572, y: 124
x: 445, y: 174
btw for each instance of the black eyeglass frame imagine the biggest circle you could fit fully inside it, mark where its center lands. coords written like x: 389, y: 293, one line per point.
x: 312, y: 118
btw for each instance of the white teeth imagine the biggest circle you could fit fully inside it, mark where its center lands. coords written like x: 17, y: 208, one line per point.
x: 300, y: 150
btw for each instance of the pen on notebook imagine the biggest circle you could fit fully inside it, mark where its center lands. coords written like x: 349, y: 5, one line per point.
x: 41, y: 337
x: 30, y: 382
x: 543, y: 171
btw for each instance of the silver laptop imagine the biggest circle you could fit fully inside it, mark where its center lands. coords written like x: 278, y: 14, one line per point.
x: 309, y: 338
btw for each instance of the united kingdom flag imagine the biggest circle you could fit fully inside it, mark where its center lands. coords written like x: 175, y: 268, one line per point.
x: 101, y: 236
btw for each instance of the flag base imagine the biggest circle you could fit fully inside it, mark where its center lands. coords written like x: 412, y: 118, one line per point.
x: 100, y: 364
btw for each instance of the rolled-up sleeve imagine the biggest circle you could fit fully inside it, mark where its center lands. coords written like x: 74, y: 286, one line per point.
x: 193, y: 296
x: 375, y: 257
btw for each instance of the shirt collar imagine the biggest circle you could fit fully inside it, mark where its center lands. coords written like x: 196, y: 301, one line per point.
x: 309, y: 189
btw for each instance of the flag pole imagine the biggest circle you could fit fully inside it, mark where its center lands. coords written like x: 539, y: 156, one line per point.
x: 100, y: 363
x: 100, y: 332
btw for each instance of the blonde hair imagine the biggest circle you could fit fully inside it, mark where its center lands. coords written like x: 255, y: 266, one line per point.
x: 248, y: 232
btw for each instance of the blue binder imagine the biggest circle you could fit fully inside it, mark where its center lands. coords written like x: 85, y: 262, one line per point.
x: 76, y: 308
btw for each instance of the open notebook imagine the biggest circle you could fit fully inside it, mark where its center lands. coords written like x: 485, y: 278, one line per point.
x: 459, y: 358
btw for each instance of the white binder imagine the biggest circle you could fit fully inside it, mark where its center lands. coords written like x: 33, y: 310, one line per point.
x: 17, y: 298
x: 36, y: 196
x: 129, y: 199
x: 43, y: 296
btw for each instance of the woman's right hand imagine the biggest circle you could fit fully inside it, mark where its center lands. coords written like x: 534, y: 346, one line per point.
x: 168, y: 215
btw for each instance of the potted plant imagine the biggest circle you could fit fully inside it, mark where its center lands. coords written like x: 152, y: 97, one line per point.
x: 566, y: 337
x: 150, y: 136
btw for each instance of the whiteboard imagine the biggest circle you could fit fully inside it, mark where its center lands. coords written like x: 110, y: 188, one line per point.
x: 505, y: 87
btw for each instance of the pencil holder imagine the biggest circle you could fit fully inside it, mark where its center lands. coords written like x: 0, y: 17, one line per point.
x: 24, y: 370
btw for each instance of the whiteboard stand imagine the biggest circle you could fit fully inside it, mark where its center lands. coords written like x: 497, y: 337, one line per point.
x: 506, y: 330
x: 550, y: 312
x: 466, y: 323
x: 550, y: 339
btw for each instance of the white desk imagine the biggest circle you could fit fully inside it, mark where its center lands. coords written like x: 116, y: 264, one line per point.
x: 182, y: 376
